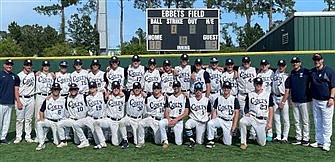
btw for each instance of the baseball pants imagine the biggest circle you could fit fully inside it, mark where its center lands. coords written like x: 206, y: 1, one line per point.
x: 323, y: 117
x: 38, y: 104
x: 200, y: 128
x: 153, y: 124
x: 25, y: 115
x: 62, y: 126
x: 258, y: 124
x: 278, y: 114
x: 80, y: 124
x: 301, y: 120
x: 177, y: 129
x: 42, y: 130
x: 5, y: 114
x: 109, y: 124
x: 226, y: 129
x: 133, y: 123
x: 241, y: 101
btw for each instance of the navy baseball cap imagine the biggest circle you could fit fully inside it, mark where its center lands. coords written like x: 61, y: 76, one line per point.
x: 137, y: 85
x: 264, y: 62
x: 258, y: 80
x: 167, y: 62
x: 156, y: 85
x: 226, y: 84
x: 136, y: 58
x: 246, y: 59
x: 184, y: 56
x: 152, y: 61
x: 214, y: 60
x: 176, y: 83
x: 229, y: 61
x: 317, y: 56
x: 92, y: 85
x: 295, y: 59
x: 115, y: 84
x: 114, y: 59
x: 73, y: 86
x: 198, y: 86
x: 281, y: 63
x: 95, y: 62
x: 46, y: 63
x: 28, y: 62
x: 9, y: 62
x: 56, y: 86
x: 77, y: 62
x: 198, y: 61
x: 63, y: 63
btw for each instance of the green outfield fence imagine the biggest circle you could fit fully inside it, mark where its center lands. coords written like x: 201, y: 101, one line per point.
x: 273, y: 57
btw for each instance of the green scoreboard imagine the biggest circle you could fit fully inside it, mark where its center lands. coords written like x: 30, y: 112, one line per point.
x: 183, y: 29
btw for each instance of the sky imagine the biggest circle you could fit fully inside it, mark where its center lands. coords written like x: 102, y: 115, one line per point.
x: 21, y: 11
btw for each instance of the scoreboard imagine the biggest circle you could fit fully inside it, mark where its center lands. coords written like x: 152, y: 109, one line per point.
x: 183, y: 29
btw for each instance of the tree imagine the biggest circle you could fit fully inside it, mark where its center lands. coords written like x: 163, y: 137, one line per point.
x: 144, y: 4
x: 140, y: 36
x: 227, y: 40
x: 179, y: 3
x: 246, y: 35
x: 57, y: 9
x: 65, y: 49
x: 9, y: 48
x: 330, y: 5
x: 3, y: 35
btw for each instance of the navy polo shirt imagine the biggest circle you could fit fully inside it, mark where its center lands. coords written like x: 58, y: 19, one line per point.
x: 298, y: 83
x: 322, y: 81
x: 7, y: 83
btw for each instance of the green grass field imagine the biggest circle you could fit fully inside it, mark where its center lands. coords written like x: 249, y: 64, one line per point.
x: 151, y: 152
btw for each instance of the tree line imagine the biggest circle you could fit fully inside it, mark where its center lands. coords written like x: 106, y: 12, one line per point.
x: 79, y: 36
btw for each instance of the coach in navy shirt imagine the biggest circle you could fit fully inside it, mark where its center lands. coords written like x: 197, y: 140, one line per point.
x: 323, y: 92
x: 297, y: 84
x: 9, y: 92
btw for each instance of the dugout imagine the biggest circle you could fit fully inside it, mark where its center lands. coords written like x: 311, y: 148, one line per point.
x: 303, y: 31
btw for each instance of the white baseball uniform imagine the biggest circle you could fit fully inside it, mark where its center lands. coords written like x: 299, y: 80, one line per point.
x: 135, y: 109
x: 184, y: 77
x: 225, y: 110
x: 200, y: 77
x: 176, y: 106
x: 114, y: 113
x: 135, y: 75
x: 98, y: 78
x: 226, y: 76
x: 114, y: 75
x: 64, y: 80
x: 154, y: 109
x: 278, y: 90
x: 215, y: 76
x: 199, y: 115
x: 43, y: 86
x: 267, y: 78
x: 149, y: 78
x: 167, y: 82
x: 245, y: 84
x: 81, y: 79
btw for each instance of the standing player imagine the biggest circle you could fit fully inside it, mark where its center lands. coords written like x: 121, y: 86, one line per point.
x: 115, y: 73
x: 183, y: 73
x: 151, y: 75
x: 230, y: 75
x: 215, y: 76
x: 176, y: 109
x: 135, y: 107
x: 258, y: 114
x: 278, y: 90
x: 135, y: 73
x: 167, y: 78
x: 154, y: 109
x: 51, y: 112
x: 96, y: 75
x: 79, y: 76
x: 114, y: 113
x: 323, y: 93
x: 200, y: 107
x: 225, y: 115
x: 63, y: 78
x: 44, y: 81
x: 202, y: 76
x: 297, y: 84
x: 26, y: 91
x: 245, y: 77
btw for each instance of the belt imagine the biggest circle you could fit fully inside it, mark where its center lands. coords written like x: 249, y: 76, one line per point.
x: 114, y: 119
x: 44, y: 94
x: 280, y: 95
x: 27, y: 96
x: 260, y: 117
x: 156, y: 118
x: 63, y: 94
x: 74, y: 118
x: 215, y: 92
x: 135, y: 117
x: 95, y: 118
x: 225, y: 119
x: 54, y: 120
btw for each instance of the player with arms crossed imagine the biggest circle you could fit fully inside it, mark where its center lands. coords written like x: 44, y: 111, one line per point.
x: 176, y: 109
x: 225, y: 115
x: 258, y: 114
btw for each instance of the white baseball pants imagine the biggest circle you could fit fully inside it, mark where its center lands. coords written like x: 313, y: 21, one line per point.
x: 241, y: 101
x: 258, y: 124
x: 200, y: 128
x: 278, y: 114
x: 226, y: 129
x: 133, y: 123
x: 153, y: 124
x: 109, y: 124
x: 323, y: 118
x: 5, y: 114
x: 63, y: 125
x: 42, y: 130
x: 301, y: 120
x: 38, y: 104
x: 82, y: 123
x: 25, y: 115
x: 177, y: 129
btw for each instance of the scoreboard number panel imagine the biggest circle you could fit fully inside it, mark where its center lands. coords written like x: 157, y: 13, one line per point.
x: 183, y: 29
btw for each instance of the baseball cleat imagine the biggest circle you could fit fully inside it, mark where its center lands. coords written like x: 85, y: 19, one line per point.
x: 40, y: 147
x: 124, y: 144
x: 97, y: 146
x: 139, y: 145
x: 315, y: 145
x: 192, y: 143
x: 284, y: 140
x: 62, y: 144
x: 326, y: 148
x: 83, y: 144
x: 305, y: 143
x: 210, y: 144
x: 296, y: 142
x: 4, y: 142
x: 243, y: 146
x: 17, y: 140
x: 165, y: 144
x: 103, y: 144
x: 29, y: 140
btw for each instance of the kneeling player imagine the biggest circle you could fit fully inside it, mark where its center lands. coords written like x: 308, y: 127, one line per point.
x: 225, y: 115
x: 154, y: 111
x: 258, y: 114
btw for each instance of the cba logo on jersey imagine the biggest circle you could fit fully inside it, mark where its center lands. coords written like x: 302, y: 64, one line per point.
x: 94, y: 103
x: 134, y: 73
x: 52, y: 107
x: 63, y: 80
x: 78, y: 78
x: 138, y: 104
x: 197, y: 107
x: 224, y: 107
x: 45, y: 80
x: 156, y: 105
x: 256, y: 101
x: 151, y: 79
x: 246, y: 75
x: 75, y: 104
x: 173, y: 105
x: 114, y: 76
x: 29, y: 81
x: 112, y: 103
